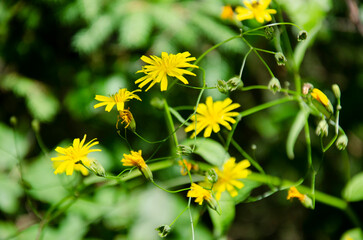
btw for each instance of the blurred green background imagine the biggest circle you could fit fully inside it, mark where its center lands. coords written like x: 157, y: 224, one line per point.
x: 56, y: 55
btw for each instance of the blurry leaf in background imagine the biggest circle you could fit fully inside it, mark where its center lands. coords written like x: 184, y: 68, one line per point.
x: 40, y: 101
x: 245, y: 191
x: 7, y: 229
x: 10, y: 191
x: 353, y: 191
x: 210, y: 150
x: 355, y: 234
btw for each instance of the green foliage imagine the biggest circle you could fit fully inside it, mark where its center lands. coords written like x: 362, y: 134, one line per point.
x: 353, y: 191
x: 355, y: 234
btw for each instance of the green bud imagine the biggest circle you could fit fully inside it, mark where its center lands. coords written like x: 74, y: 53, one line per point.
x: 147, y: 173
x: 36, y: 125
x: 269, y: 33
x: 342, y: 142
x: 302, y: 35
x: 13, y: 120
x: 234, y: 83
x: 307, y: 202
x: 280, y: 59
x: 336, y: 90
x: 163, y: 230
x: 322, y: 128
x: 97, y: 168
x: 222, y: 86
x: 212, y: 203
x: 184, y: 150
x: 274, y: 85
x: 157, y: 103
x: 212, y: 176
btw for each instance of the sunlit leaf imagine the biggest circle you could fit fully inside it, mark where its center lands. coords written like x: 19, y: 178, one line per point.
x: 353, y: 191
x: 352, y: 234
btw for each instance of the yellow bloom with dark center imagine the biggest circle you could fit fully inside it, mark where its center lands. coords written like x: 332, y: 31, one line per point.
x: 199, y: 193
x: 228, y: 177
x: 255, y: 9
x: 211, y: 114
x: 159, y: 69
x: 320, y: 97
x: 117, y: 99
x: 72, y: 155
x: 227, y: 12
x: 294, y: 193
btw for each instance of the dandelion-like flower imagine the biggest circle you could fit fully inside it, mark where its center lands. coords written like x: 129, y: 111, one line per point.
x: 211, y: 114
x: 199, y: 193
x: 73, y: 155
x: 228, y: 177
x: 227, y: 12
x: 186, y: 166
x: 136, y: 160
x: 255, y: 9
x: 294, y: 193
x: 126, y: 118
x: 117, y: 99
x: 320, y: 97
x: 168, y: 65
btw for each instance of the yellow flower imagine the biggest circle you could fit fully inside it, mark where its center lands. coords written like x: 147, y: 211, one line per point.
x: 320, y: 97
x: 168, y: 65
x: 227, y: 12
x: 294, y: 193
x: 72, y: 155
x: 118, y: 98
x: 229, y: 175
x: 186, y: 165
x: 127, y: 118
x: 211, y: 114
x: 135, y: 160
x: 255, y: 9
x: 199, y: 193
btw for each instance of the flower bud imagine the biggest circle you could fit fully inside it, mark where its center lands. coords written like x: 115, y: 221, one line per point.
x: 222, y: 86
x: 13, y: 120
x: 322, y: 128
x: 212, y: 203
x: 307, y: 88
x: 212, y: 176
x: 97, y: 168
x: 269, y: 33
x: 336, y: 90
x: 147, y: 173
x: 274, y: 85
x: 302, y: 35
x: 342, y: 142
x: 234, y: 83
x: 35, y: 125
x: 184, y: 150
x: 280, y: 59
x: 157, y: 103
x: 307, y: 202
x: 163, y: 230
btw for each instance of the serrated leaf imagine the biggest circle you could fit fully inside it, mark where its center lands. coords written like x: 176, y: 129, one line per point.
x: 353, y: 191
x: 39, y: 100
x: 211, y: 151
x: 135, y: 29
x: 245, y: 192
x: 295, y: 129
x: 355, y: 234
x: 222, y: 221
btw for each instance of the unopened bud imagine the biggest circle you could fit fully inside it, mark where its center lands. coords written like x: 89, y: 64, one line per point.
x: 280, y: 59
x: 307, y: 88
x: 184, y: 150
x: 274, y: 85
x: 157, y: 103
x: 212, y: 176
x: 13, y: 120
x: 36, y: 125
x: 342, y: 142
x: 322, y: 128
x: 253, y: 147
x: 307, y: 202
x: 336, y: 90
x: 97, y: 168
x: 269, y: 33
x: 302, y: 35
x: 163, y: 230
x: 234, y: 83
x: 147, y: 172
x: 222, y: 86
x: 212, y: 203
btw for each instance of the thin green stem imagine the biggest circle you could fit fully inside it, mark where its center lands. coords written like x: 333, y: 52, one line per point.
x: 263, y: 87
x: 170, y: 191
x: 264, y: 50
x: 271, y: 25
x: 170, y: 124
x: 191, y: 217
x: 171, y: 224
x: 244, y: 62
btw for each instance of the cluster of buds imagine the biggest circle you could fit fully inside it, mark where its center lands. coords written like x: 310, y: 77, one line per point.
x: 229, y: 86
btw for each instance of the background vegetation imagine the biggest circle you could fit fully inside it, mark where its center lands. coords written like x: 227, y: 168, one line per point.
x: 56, y: 55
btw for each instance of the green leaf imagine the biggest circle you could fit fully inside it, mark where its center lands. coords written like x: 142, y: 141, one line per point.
x: 222, y: 221
x: 10, y: 191
x: 212, y: 151
x: 245, y: 192
x: 355, y: 233
x: 353, y: 191
x: 40, y: 101
x: 295, y: 129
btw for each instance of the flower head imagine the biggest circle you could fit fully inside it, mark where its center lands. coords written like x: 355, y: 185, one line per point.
x: 118, y: 98
x: 255, y: 9
x: 186, y: 166
x: 323, y: 99
x: 227, y: 12
x: 135, y: 160
x: 211, y: 114
x: 199, y: 193
x: 168, y: 65
x: 294, y: 193
x: 126, y: 118
x: 73, y: 155
x: 229, y: 175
